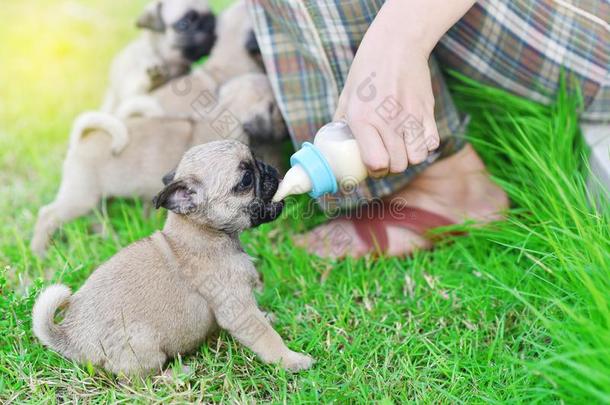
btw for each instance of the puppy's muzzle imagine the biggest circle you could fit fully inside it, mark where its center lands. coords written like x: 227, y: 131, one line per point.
x: 259, y: 127
x: 268, y: 180
x: 262, y: 208
x: 196, y: 34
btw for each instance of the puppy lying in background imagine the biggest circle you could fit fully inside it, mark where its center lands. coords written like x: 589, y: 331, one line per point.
x: 95, y: 169
x: 163, y: 295
x: 234, y: 53
x: 176, y: 33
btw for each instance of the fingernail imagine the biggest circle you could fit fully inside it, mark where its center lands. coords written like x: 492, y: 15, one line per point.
x: 432, y: 146
x: 378, y: 174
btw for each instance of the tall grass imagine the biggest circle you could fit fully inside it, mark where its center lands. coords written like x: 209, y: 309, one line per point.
x: 536, y: 153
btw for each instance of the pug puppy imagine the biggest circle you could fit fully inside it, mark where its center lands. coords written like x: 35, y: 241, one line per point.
x: 162, y: 296
x: 94, y: 168
x: 261, y: 117
x: 176, y: 34
x: 235, y: 53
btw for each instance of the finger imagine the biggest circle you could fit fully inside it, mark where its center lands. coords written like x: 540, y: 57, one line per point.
x: 433, y: 139
x: 372, y: 150
x: 397, y: 151
x: 415, y: 142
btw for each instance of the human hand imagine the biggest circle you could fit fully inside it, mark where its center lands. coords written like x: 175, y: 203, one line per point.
x: 387, y: 99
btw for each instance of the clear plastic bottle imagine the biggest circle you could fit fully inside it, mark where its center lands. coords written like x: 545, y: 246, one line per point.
x: 332, y: 161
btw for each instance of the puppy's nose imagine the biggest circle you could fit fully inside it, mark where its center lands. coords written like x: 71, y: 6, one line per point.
x: 271, y: 171
x: 269, y: 180
x: 249, y: 128
x: 257, y: 127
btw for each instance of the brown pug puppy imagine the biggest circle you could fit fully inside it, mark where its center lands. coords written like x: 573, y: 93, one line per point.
x: 175, y: 34
x: 231, y: 56
x: 163, y: 295
x: 150, y: 147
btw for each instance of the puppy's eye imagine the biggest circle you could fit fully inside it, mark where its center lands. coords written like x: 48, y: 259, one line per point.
x: 247, y: 180
x: 187, y: 21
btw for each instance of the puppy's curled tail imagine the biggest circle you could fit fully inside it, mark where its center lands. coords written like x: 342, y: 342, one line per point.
x: 142, y: 106
x: 92, y: 120
x: 49, y: 333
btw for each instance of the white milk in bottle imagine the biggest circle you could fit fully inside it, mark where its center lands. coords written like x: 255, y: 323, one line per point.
x: 332, y: 161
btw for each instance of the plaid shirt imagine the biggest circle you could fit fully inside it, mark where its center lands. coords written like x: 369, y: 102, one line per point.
x: 521, y: 46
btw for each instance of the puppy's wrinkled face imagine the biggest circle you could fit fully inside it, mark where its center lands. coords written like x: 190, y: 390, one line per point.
x: 222, y: 186
x: 187, y: 25
x: 251, y: 99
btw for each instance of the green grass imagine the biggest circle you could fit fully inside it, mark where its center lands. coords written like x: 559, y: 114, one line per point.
x: 514, y: 312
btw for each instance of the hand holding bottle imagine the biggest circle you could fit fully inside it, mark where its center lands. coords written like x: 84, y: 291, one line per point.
x: 393, y: 61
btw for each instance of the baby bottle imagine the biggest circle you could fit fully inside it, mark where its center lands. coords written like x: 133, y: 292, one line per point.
x: 332, y: 161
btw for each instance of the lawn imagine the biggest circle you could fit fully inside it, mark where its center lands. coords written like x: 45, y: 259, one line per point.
x: 514, y: 312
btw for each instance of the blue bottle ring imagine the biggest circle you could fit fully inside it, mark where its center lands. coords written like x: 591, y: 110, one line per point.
x: 317, y: 168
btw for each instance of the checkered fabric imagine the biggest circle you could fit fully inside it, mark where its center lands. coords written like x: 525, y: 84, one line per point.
x: 521, y: 46
x: 524, y: 46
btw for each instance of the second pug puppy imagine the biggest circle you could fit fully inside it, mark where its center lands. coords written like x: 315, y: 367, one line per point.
x: 150, y: 147
x: 175, y: 34
x: 162, y: 296
x: 229, y: 58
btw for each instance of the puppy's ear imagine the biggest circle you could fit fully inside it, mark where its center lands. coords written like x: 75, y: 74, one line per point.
x: 177, y: 197
x: 254, y: 50
x: 252, y: 44
x: 169, y: 177
x: 151, y: 18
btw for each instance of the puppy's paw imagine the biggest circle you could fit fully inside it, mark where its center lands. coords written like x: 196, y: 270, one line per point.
x: 157, y: 75
x: 170, y: 373
x: 294, y: 361
x: 39, y: 244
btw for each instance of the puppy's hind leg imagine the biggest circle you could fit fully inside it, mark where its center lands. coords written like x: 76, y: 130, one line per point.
x: 138, y: 353
x: 102, y: 227
x: 78, y: 194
